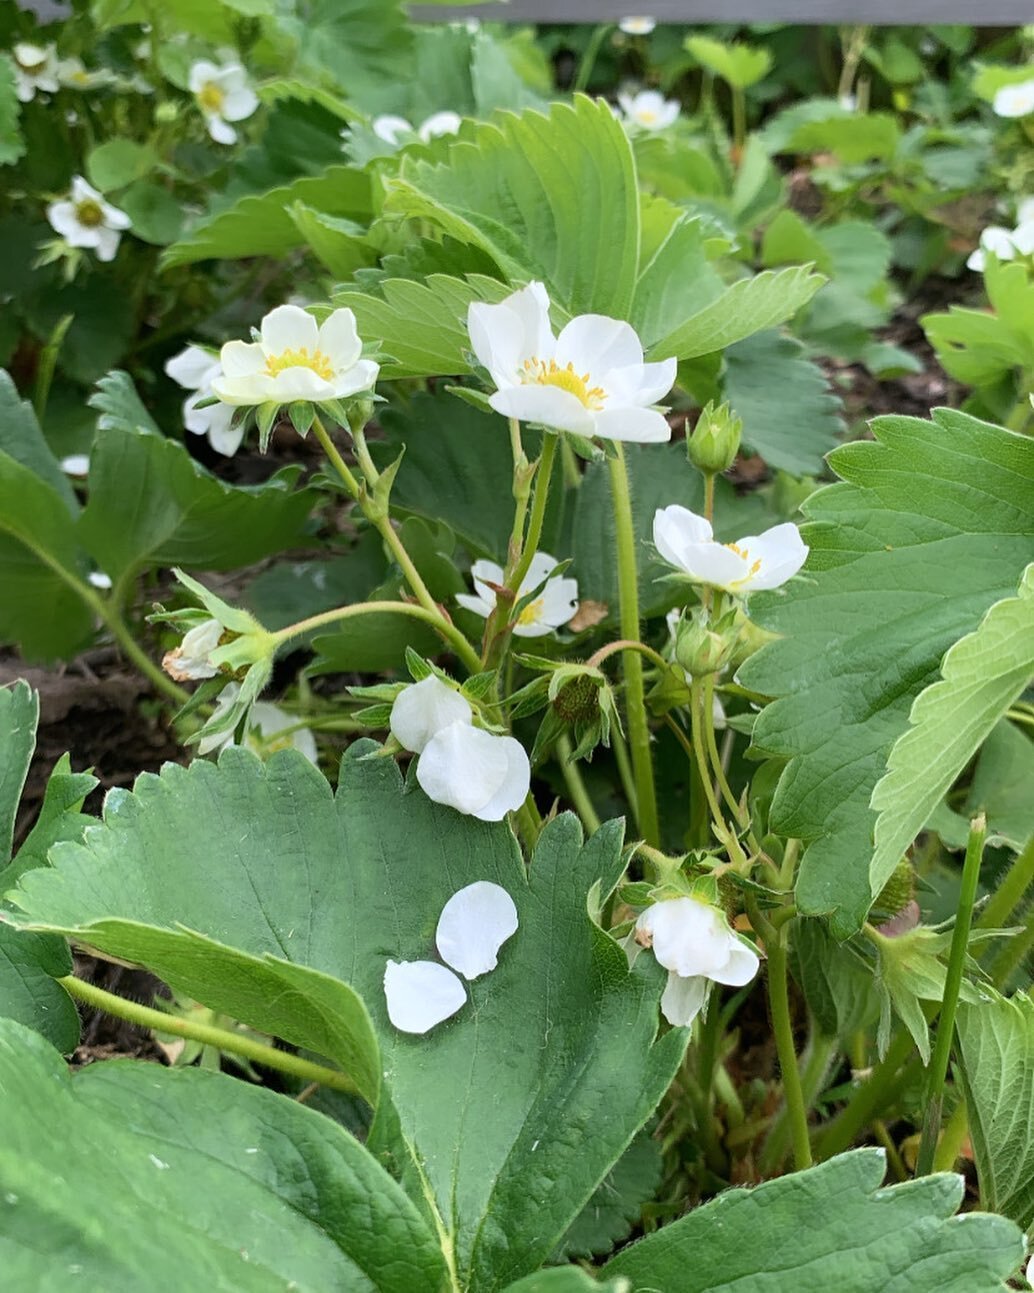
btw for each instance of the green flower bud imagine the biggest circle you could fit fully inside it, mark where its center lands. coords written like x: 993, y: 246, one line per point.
x: 578, y: 701
x: 899, y: 890
x: 715, y: 441
x: 701, y: 648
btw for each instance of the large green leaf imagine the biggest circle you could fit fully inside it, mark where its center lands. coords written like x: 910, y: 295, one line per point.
x: 982, y: 674
x: 19, y: 714
x: 796, y: 431
x: 830, y: 1227
x: 932, y: 524
x: 21, y: 437
x: 12, y: 145
x: 261, y: 224
x: 207, y: 1183
x: 996, y: 1041
x: 979, y: 347
x: 552, y: 1067
x: 151, y: 504
x: 551, y: 197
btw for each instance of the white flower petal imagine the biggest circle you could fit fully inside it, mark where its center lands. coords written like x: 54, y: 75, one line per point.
x: 201, y: 73
x: 440, y: 123
x: 635, y: 426
x: 540, y: 568
x: 423, y: 710
x: 594, y: 344
x: 83, y: 192
x: 484, y: 573
x: 421, y: 994
x: 391, y: 128
x: 688, y: 936
x: 976, y: 260
x: 642, y: 383
x: 62, y: 218
x: 637, y: 26
x: 300, y: 383
x: 503, y: 336
x: 463, y: 767
x: 559, y: 602
x: 742, y: 965
x: 76, y: 464
x: 473, y: 926
x: 270, y: 720
x: 241, y: 359
x: 98, y: 579
x: 222, y: 435
x: 114, y: 218
x: 476, y: 604
x: 107, y: 243
x: 289, y: 327
x: 999, y: 240
x: 238, y: 104
x: 242, y: 392
x: 781, y: 552
x: 675, y: 528
x: 362, y: 376
x: 548, y: 405
x: 190, y: 367
x: 683, y: 999
x: 1015, y: 100
x: 339, y: 339
x: 1023, y: 237
x: 515, y: 785
x: 219, y: 130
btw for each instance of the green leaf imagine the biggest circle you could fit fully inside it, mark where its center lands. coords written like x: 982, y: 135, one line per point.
x: 557, y: 1053
x: 829, y: 1227
x: 156, y: 215
x: 739, y: 64
x: 617, y: 1203
x: 795, y: 432
x: 836, y: 983
x: 340, y: 245
x: 979, y: 347
x: 59, y: 817
x: 853, y: 137
x: 565, y: 1279
x: 19, y: 714
x: 120, y: 407
x: 152, y: 504
x: 261, y: 225
x: 117, y: 162
x: 933, y: 523
x: 676, y: 279
x: 550, y: 197
x: 996, y: 1044
x: 236, y: 1187
x: 12, y: 145
x: 981, y: 676
x: 22, y: 439
x: 749, y: 306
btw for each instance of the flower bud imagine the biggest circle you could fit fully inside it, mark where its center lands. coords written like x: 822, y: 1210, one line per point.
x: 899, y: 890
x: 579, y: 699
x: 715, y: 440
x: 701, y: 648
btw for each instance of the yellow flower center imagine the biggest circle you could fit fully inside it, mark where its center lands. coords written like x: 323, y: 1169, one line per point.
x: 744, y: 555
x: 539, y: 372
x: 317, y: 361
x: 89, y: 213
x: 211, y: 97
x: 647, y: 116
x: 531, y: 614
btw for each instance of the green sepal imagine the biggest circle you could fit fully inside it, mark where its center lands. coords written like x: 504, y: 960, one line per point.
x: 478, y: 686
x: 302, y: 416
x: 266, y: 417
x: 478, y: 399
x: 418, y: 667
x: 375, y: 717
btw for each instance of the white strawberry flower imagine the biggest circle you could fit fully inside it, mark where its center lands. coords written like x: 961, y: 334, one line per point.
x: 422, y: 710
x: 1025, y: 211
x: 473, y: 926
x: 73, y: 74
x: 394, y: 129
x: 556, y: 603
x: 1006, y: 244
x: 749, y: 565
x: 637, y: 26
x: 195, y: 370
x: 223, y: 95
x: 590, y: 380
x: 295, y: 359
x: 84, y: 219
x: 76, y: 464
x: 268, y: 728
x: 694, y: 943
x: 35, y: 68
x: 1015, y: 100
x: 190, y: 661
x: 649, y: 110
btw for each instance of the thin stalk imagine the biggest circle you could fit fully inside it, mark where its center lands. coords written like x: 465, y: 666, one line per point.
x: 620, y: 747
x: 626, y: 644
x: 235, y: 1043
x: 537, y: 517
x: 739, y: 122
x: 1007, y: 897
x: 576, y: 789
x: 635, y: 692
x: 782, y: 1027
x: 1013, y: 953
x: 588, y: 62
x: 707, y: 718
x: 134, y: 652
x: 894, y: 1159
x: 529, y: 823
x: 814, y: 1068
x: 938, y: 1071
x: 448, y: 631
x: 700, y: 754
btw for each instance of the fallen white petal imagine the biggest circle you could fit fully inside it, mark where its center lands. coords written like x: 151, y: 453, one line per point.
x: 473, y: 926
x: 420, y: 994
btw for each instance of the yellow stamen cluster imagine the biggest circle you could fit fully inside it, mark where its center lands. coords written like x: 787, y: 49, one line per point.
x: 540, y: 372
x: 89, y: 213
x: 317, y: 361
x: 531, y: 614
x: 647, y: 116
x: 211, y: 97
x: 744, y: 555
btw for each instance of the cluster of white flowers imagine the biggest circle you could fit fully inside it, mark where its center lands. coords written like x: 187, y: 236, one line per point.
x: 84, y: 219
x: 35, y: 69
x: 473, y: 926
x: 694, y: 943
x: 1004, y: 243
x: 649, y: 110
x: 394, y: 130
x: 590, y: 380
x: 223, y: 95
x: 686, y: 541
x: 1015, y: 100
x: 556, y: 603
x: 476, y: 772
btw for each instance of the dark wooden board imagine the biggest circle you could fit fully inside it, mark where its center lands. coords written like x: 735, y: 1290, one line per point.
x: 982, y: 13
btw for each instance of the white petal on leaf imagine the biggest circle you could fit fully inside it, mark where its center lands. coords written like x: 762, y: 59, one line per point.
x: 473, y: 926
x: 421, y: 994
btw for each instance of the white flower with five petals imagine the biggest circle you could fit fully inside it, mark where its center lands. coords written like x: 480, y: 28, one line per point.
x: 694, y: 943
x: 223, y: 95
x: 195, y: 370
x: 1015, y: 100
x: 686, y: 541
x: 637, y: 26
x: 84, y: 219
x: 1006, y: 244
x: 295, y: 359
x: 556, y: 603
x: 473, y: 926
x: 590, y: 380
x: 35, y: 68
x: 649, y: 110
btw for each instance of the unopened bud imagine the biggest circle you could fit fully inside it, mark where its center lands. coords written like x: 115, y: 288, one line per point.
x: 700, y: 648
x: 715, y: 441
x: 899, y: 890
x: 578, y: 701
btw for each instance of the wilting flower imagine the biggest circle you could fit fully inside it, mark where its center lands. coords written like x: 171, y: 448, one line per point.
x: 473, y: 926
x: 590, y: 380
x: 393, y: 129
x: 637, y: 26
x: 84, y: 219
x: 1015, y: 100
x: 223, y: 95
x: 191, y: 660
x: 267, y: 729
x: 35, y: 68
x: 694, y: 943
x: 757, y: 562
x: 1006, y: 244
x: 476, y: 772
x: 195, y: 370
x: 556, y: 603
x: 649, y: 109
x: 295, y: 359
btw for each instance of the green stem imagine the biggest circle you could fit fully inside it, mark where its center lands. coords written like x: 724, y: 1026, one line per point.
x: 588, y: 62
x: 1013, y: 953
x: 448, y: 631
x: 626, y: 644
x: 698, y: 751
x: 635, y: 692
x: 950, y: 1146
x: 938, y: 1071
x: 537, y: 518
x: 146, y: 1017
x: 818, y: 1057
x: 576, y: 790
x: 739, y: 121
x: 871, y: 1096
x: 529, y: 823
x: 707, y: 719
x: 620, y: 747
x: 1007, y: 897
x: 782, y: 1027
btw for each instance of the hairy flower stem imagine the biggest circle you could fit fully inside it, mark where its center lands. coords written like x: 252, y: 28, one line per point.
x: 588, y: 61
x: 235, y: 1043
x: 938, y: 1071
x: 814, y: 1066
x: 782, y: 1026
x: 635, y: 692
x: 448, y: 631
x: 576, y: 789
x: 1009, y: 894
x: 382, y: 522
